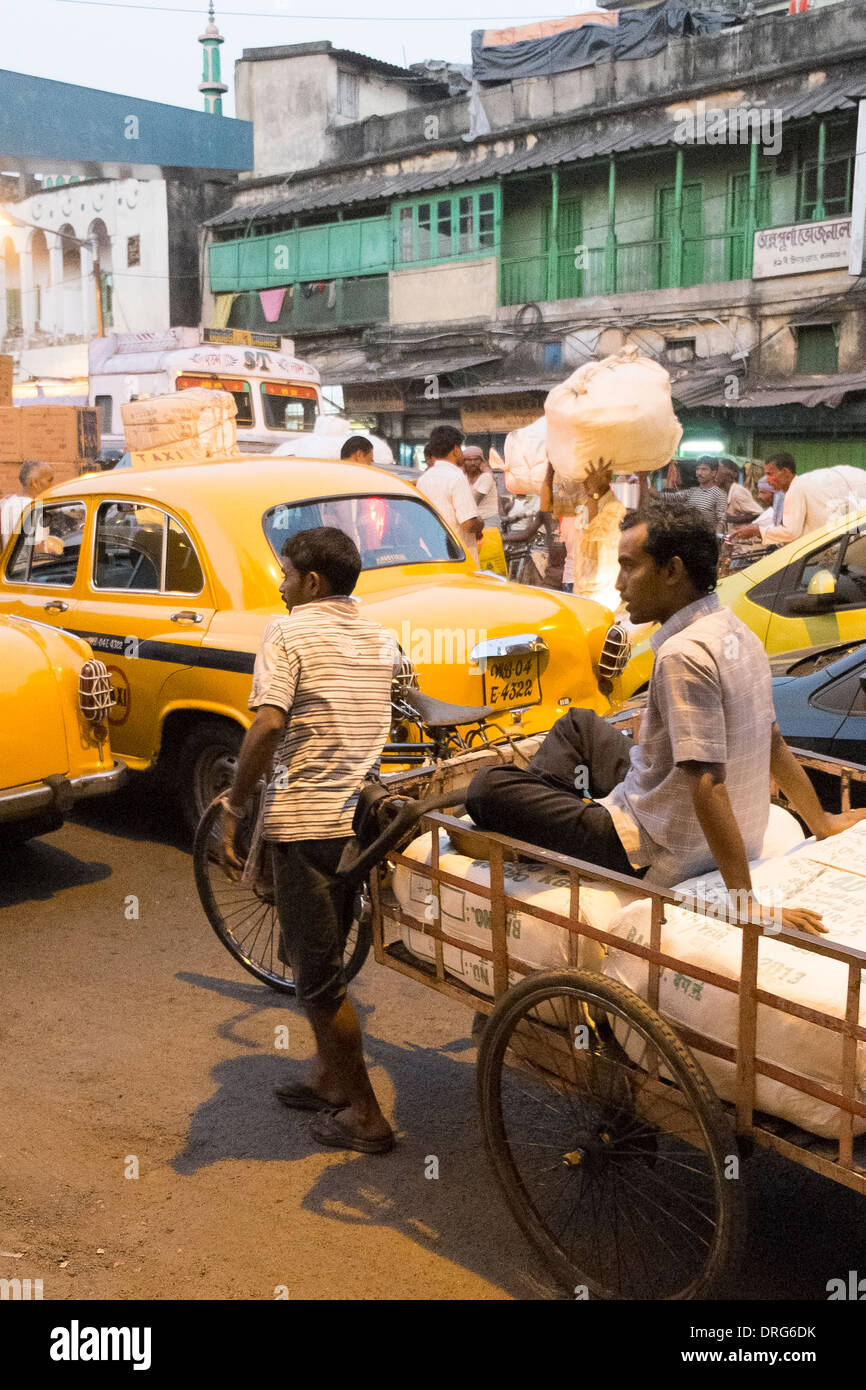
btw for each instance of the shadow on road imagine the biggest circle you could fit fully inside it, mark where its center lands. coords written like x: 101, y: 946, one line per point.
x: 39, y: 869
x: 143, y: 809
x: 458, y: 1215
x: 258, y: 997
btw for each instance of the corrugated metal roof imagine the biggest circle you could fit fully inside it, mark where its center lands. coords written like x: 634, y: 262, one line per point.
x: 840, y: 92
x: 702, y: 387
x: 416, y: 369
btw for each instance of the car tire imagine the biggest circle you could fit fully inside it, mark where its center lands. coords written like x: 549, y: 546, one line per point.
x: 205, y: 766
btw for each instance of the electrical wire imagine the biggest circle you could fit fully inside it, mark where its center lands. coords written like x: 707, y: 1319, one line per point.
x: 334, y: 18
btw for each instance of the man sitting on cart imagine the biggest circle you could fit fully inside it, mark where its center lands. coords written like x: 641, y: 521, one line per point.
x: 693, y: 793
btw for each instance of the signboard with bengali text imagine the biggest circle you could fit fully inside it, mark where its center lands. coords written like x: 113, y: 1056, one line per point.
x: 801, y: 248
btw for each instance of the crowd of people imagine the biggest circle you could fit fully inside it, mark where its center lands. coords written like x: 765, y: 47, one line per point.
x: 578, y: 551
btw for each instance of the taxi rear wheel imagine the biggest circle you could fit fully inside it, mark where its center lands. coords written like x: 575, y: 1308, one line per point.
x: 206, y: 766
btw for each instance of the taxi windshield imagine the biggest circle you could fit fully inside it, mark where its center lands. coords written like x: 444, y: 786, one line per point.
x: 386, y: 530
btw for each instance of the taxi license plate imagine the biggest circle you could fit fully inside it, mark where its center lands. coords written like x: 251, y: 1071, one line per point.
x: 510, y: 681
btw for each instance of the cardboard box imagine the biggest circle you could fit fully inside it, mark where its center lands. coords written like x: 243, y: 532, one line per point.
x: 49, y: 433
x: 59, y: 433
x: 62, y: 473
x: 5, y: 379
x: 10, y: 434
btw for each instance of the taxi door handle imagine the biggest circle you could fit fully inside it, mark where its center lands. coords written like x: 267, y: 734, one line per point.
x: 55, y: 605
x: 186, y: 615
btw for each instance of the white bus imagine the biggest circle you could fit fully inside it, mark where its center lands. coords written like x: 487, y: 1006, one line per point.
x: 278, y: 396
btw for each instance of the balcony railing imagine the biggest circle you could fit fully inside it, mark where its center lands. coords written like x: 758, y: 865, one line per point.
x: 633, y: 266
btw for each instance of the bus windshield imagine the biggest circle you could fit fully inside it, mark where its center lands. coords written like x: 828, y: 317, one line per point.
x: 288, y: 407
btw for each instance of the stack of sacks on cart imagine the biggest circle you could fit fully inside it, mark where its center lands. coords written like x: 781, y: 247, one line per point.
x: 829, y: 876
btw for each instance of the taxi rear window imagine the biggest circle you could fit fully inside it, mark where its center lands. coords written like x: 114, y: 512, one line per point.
x: 386, y: 530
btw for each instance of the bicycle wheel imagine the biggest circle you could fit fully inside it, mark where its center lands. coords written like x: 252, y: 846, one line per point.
x: 609, y: 1143
x: 244, y: 917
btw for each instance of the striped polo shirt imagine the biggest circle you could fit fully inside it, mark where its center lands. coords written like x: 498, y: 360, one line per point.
x: 330, y: 670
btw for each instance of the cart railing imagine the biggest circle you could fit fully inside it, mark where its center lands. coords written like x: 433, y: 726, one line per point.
x: 499, y: 849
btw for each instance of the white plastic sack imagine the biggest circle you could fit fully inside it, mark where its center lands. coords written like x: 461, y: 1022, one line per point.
x: 526, y: 458
x: 466, y: 916
x: 619, y: 410
x: 535, y: 942
x: 801, y: 976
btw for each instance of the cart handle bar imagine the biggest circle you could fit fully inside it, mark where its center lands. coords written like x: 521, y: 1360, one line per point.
x: 355, y: 865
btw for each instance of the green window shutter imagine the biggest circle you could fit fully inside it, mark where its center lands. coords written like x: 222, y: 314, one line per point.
x: 817, y: 349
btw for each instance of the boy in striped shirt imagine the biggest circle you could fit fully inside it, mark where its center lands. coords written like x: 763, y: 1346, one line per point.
x: 322, y: 694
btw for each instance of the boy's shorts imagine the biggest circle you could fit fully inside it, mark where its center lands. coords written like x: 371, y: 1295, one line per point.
x: 314, y: 915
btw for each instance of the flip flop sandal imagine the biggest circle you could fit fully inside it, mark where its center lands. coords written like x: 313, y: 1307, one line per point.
x: 326, y: 1129
x: 297, y: 1096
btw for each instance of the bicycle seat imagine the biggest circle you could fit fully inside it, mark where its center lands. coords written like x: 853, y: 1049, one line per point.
x: 436, y: 714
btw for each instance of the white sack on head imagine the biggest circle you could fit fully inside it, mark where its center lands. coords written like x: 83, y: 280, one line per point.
x: 526, y: 458
x: 619, y: 410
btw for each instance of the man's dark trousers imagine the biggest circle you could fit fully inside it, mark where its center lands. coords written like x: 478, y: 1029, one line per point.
x: 544, y: 804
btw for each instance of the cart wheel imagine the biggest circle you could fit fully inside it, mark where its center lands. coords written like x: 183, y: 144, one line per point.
x: 608, y: 1140
x: 244, y: 917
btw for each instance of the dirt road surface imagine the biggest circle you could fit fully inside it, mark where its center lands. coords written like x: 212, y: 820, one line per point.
x: 143, y: 1155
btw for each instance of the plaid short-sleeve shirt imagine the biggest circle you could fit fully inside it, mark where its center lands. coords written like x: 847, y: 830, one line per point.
x: 710, y: 701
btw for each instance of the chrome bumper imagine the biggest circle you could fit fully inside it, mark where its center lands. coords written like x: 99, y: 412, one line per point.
x: 58, y: 793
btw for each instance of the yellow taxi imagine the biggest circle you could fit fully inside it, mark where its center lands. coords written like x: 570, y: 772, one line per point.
x: 809, y: 593
x: 54, y: 743
x: 172, y: 574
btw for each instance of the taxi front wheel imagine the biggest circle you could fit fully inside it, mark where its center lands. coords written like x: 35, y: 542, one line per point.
x: 206, y: 766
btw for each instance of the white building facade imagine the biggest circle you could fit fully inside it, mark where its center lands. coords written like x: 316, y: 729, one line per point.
x: 78, y: 259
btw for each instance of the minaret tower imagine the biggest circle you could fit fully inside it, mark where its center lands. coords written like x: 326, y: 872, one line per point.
x: 210, y: 86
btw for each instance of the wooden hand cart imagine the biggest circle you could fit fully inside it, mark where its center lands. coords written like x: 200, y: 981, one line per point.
x: 616, y: 1157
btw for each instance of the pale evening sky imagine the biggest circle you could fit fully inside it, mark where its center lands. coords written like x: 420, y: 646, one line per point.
x: 152, y: 51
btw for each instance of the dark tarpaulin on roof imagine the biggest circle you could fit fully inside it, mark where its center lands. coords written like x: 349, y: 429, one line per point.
x: 639, y: 34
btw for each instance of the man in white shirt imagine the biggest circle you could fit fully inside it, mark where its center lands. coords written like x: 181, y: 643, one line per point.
x: 445, y: 485
x: 33, y: 478
x: 741, y: 504
x: 483, y: 485
x: 812, y: 500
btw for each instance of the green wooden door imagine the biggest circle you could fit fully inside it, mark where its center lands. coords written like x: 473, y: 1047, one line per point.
x: 739, y: 256
x: 571, y: 253
x: 692, y: 224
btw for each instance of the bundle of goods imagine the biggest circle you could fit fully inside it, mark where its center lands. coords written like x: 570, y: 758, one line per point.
x: 526, y: 458
x: 190, y: 426
x: 828, y: 873
x: 618, y: 410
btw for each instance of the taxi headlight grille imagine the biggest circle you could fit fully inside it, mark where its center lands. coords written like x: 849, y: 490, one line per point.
x: 95, y: 692
x: 614, y: 656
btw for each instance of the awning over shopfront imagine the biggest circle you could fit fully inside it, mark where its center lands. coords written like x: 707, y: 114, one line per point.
x: 715, y: 389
